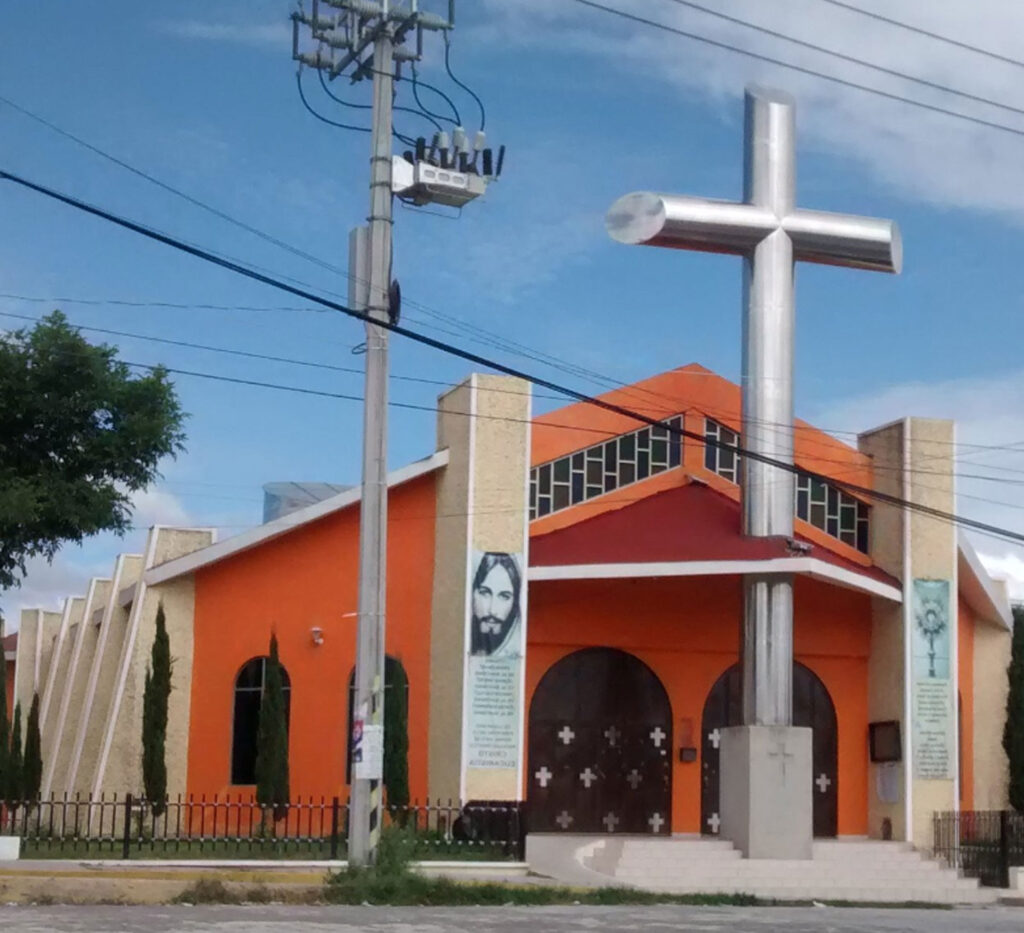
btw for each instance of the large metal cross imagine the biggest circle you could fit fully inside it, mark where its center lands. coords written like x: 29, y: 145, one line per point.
x: 771, y: 234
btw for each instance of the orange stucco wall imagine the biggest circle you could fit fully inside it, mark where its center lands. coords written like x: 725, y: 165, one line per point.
x: 687, y: 632
x: 304, y: 579
x: 965, y: 647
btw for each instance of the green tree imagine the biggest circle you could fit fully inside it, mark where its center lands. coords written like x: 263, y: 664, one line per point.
x: 396, y: 733
x: 14, y: 790
x: 155, y: 698
x: 272, y: 739
x: 1013, y: 730
x: 79, y: 434
x: 32, y: 766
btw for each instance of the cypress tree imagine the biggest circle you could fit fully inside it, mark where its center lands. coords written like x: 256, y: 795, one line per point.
x: 396, y: 733
x: 5, y: 735
x: 14, y: 780
x: 1013, y: 730
x: 154, y: 717
x: 32, y: 766
x: 272, y: 739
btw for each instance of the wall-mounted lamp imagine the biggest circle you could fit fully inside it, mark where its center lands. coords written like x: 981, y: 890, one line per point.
x: 318, y: 635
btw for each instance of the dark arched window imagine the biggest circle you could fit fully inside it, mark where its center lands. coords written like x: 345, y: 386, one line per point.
x: 249, y: 687
x: 396, y: 731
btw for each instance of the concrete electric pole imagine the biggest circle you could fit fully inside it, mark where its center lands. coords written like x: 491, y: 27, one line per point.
x: 365, y: 37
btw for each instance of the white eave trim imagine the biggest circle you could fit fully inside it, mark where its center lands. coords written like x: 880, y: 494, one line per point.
x: 982, y: 593
x: 230, y: 546
x: 809, y: 566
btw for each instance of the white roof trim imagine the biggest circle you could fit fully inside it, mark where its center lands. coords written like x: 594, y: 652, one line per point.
x: 982, y: 592
x: 810, y: 566
x: 223, y: 549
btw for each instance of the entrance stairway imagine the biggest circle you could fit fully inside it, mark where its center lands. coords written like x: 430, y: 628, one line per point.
x: 841, y: 870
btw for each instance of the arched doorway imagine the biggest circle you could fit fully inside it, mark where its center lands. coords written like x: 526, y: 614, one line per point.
x: 600, y: 755
x: 812, y: 707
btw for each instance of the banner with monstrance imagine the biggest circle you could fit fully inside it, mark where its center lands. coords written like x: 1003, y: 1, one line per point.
x: 934, y: 694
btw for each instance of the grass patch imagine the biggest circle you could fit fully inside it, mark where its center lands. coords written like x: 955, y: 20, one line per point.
x: 423, y: 846
x: 214, y: 891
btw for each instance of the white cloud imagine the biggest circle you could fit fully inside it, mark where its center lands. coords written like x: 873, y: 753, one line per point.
x: 925, y: 155
x: 158, y: 507
x: 1009, y: 567
x: 278, y: 34
x: 990, y: 443
x: 47, y: 584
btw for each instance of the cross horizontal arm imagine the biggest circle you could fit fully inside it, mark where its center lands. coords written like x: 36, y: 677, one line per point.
x: 648, y: 219
x: 845, y: 240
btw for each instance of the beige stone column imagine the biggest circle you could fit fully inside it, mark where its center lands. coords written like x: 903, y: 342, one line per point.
x: 118, y: 766
x: 36, y: 635
x: 913, y: 459
x: 482, y: 506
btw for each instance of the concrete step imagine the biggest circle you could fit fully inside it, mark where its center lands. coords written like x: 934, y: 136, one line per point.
x: 850, y: 870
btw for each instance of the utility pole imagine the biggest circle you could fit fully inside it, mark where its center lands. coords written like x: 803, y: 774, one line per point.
x: 380, y: 28
x: 365, y: 801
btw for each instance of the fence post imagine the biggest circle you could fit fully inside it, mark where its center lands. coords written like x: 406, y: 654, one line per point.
x: 1004, y: 848
x: 127, y: 840
x: 334, y: 829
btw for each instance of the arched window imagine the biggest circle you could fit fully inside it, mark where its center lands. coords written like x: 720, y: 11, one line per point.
x: 249, y: 686
x: 396, y: 731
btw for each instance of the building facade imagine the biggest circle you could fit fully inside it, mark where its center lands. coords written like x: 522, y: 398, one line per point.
x: 564, y: 594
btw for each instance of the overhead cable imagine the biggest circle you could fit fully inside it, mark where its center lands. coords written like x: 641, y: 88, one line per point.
x: 852, y: 59
x: 824, y: 76
x: 466, y: 88
x: 476, y: 358
x: 925, y: 32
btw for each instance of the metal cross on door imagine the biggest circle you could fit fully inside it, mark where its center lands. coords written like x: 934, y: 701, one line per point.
x: 812, y: 707
x: 600, y: 749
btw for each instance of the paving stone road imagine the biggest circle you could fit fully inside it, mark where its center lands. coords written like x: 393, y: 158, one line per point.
x: 278, y: 919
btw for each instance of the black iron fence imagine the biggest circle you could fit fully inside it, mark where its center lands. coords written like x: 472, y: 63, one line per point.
x: 983, y: 844
x: 236, y: 827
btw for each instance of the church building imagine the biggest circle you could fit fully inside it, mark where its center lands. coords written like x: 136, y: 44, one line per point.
x: 565, y: 596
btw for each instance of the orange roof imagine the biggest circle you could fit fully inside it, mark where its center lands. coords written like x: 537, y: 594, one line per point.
x: 688, y: 388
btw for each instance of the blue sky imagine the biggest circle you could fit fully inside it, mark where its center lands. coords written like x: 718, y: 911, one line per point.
x: 203, y: 97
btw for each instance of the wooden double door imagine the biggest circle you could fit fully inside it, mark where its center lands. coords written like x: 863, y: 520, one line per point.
x: 812, y: 707
x: 600, y: 748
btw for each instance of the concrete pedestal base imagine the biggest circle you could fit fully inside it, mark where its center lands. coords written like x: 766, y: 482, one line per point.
x: 10, y: 848
x: 765, y: 791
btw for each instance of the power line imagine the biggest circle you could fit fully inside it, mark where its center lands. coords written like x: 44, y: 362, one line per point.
x: 892, y: 72
x: 924, y: 32
x: 417, y: 84
x: 346, y: 103
x: 466, y: 88
x: 633, y: 17
x: 476, y: 358
x: 973, y: 449
x: 475, y: 333
x: 233, y: 351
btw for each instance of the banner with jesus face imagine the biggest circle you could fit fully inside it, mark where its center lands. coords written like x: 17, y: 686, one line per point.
x: 495, y: 645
